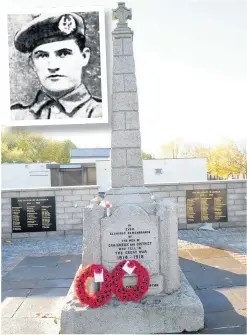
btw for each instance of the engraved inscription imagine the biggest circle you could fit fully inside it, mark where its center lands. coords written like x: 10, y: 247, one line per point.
x: 133, y: 244
x: 33, y: 214
x: 206, y: 206
x: 155, y: 286
x: 130, y: 233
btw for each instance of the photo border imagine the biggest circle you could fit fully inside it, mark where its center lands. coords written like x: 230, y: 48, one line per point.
x: 103, y: 66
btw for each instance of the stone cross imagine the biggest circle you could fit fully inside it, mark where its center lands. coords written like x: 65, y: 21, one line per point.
x: 148, y: 227
x: 126, y: 157
x: 122, y: 14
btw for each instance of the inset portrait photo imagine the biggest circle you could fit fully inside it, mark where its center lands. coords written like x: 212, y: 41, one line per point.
x: 57, y: 67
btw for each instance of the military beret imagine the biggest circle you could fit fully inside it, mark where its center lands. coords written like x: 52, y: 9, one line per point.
x: 49, y: 27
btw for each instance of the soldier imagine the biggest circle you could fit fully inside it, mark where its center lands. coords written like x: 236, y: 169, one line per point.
x: 56, y: 44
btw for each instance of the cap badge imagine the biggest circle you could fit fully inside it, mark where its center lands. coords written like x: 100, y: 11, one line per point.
x: 35, y: 15
x: 67, y: 24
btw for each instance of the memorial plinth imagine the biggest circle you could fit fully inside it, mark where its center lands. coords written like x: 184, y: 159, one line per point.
x: 154, y: 314
x: 138, y: 226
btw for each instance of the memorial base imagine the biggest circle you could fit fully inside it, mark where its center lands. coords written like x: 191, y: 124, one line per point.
x: 174, y: 313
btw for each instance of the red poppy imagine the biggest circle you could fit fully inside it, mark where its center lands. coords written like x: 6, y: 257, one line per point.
x: 136, y: 292
x: 102, y: 296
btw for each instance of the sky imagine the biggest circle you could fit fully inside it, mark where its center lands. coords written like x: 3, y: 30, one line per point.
x: 191, y: 71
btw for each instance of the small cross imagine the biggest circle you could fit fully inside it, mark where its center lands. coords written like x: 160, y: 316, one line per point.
x: 122, y: 14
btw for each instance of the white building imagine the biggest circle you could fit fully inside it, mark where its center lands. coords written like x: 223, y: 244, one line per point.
x: 156, y: 171
x: 25, y: 175
x: 93, y: 167
x: 160, y: 171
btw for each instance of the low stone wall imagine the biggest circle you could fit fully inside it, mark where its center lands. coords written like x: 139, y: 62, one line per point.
x: 236, y: 199
x: 69, y: 204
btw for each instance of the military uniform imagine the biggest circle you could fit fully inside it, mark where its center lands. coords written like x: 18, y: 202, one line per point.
x: 78, y: 103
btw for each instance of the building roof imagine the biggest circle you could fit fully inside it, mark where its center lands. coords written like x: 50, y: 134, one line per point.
x: 93, y: 152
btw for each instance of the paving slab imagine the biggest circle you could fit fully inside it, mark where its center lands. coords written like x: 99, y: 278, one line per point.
x: 20, y: 292
x: 39, y: 261
x: 28, y: 273
x: 70, y: 268
x: 65, y: 271
x: 48, y: 292
x: 60, y: 273
x: 10, y: 305
x: 30, y: 326
x: 224, y: 263
x: 54, y: 283
x: 206, y: 253
x: 219, y: 300
x: 225, y: 319
x: 240, y: 292
x: 215, y: 278
x: 42, y: 303
x: 225, y: 330
x: 188, y: 265
x: 184, y: 254
x: 9, y: 284
x: 70, y: 258
x: 194, y: 252
x: 238, y: 271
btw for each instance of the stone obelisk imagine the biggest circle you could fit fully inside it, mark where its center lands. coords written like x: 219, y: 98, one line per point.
x: 127, y: 182
x: 137, y: 227
x: 126, y: 157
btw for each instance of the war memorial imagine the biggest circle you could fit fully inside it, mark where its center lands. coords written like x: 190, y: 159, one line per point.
x: 134, y: 229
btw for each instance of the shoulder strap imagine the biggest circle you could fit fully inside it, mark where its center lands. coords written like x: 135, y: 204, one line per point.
x: 21, y: 106
x: 98, y: 99
x: 17, y: 106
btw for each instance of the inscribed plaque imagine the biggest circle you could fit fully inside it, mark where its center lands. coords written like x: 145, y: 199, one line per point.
x: 130, y: 233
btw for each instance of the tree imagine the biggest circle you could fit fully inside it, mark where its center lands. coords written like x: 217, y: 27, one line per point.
x: 146, y: 155
x: 4, y: 152
x: 175, y: 149
x: 65, y: 152
x: 223, y: 159
x: 243, y: 150
x: 24, y: 147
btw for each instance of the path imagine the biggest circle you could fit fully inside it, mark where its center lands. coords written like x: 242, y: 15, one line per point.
x: 37, y: 274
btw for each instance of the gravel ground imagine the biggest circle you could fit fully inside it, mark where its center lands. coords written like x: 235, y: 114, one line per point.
x: 19, y: 248
x: 231, y: 239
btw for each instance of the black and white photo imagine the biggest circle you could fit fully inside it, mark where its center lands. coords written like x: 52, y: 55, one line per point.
x: 57, y: 68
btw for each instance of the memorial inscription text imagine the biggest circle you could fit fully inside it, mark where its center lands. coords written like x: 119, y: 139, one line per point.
x: 206, y: 206
x: 33, y: 214
x: 130, y: 246
x: 129, y: 242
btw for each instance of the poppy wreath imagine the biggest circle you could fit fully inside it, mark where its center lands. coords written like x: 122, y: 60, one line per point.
x: 136, y: 292
x: 102, y: 296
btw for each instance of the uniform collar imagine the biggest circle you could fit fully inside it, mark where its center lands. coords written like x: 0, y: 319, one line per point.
x: 70, y: 102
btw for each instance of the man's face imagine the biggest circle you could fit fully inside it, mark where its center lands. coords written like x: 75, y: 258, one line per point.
x: 59, y: 65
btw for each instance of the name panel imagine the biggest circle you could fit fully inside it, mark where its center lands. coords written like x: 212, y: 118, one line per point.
x: 206, y: 206
x: 33, y: 214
